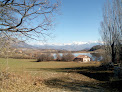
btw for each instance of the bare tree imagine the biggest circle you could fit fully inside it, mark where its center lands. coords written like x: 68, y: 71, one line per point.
x: 111, y: 28
x: 21, y: 19
x: 45, y: 57
x: 67, y: 56
x: 58, y: 57
x: 25, y: 18
x: 5, y: 44
x: 30, y: 18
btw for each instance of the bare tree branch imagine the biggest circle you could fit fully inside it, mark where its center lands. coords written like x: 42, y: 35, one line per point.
x: 26, y: 15
x: 111, y: 28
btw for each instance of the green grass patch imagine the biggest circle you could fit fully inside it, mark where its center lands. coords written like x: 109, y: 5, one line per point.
x: 31, y: 64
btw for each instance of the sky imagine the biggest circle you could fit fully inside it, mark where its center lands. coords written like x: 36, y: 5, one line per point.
x: 79, y: 21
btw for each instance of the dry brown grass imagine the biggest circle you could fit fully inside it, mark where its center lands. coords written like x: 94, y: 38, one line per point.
x: 11, y: 82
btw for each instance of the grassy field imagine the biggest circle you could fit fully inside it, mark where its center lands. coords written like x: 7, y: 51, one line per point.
x: 30, y: 64
x: 53, y: 76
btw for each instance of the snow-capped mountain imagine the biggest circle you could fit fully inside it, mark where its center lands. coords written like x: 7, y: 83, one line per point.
x: 75, y: 46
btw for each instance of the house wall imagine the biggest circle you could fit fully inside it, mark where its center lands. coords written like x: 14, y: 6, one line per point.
x: 86, y: 59
x: 82, y: 59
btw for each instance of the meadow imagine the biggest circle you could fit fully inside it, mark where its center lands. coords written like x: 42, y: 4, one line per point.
x: 52, y: 76
x: 31, y: 64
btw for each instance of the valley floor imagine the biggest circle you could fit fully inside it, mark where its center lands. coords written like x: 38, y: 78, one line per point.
x: 25, y: 75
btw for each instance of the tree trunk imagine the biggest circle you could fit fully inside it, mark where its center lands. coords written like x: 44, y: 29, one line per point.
x: 113, y: 53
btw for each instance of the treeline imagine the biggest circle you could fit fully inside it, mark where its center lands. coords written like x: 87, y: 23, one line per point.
x: 65, y: 56
x: 96, y: 47
x: 49, y: 57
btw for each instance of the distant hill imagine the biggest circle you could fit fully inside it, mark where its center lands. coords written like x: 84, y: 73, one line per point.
x: 97, y: 47
x: 70, y: 47
x: 21, y: 44
x: 62, y: 47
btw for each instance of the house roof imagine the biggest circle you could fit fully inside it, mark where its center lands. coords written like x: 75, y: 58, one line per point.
x: 82, y: 56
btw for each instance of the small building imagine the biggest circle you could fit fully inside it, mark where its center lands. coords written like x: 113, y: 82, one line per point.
x: 82, y: 58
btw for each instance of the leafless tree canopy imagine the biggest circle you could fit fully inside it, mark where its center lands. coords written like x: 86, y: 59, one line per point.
x: 28, y: 17
x: 67, y: 57
x: 111, y: 28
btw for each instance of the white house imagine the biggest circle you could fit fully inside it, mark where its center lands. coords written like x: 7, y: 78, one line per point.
x: 82, y: 58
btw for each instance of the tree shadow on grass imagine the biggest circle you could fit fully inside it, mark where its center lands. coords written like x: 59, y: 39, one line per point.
x: 72, y: 85
x: 97, y: 73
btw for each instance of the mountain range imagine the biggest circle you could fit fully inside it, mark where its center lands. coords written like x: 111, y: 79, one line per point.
x: 71, y: 47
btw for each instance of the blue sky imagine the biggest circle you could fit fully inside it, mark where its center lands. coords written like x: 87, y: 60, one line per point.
x: 79, y: 21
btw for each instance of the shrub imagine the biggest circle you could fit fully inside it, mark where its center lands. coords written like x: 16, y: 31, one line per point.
x: 67, y: 56
x: 107, y: 65
x: 58, y: 57
x: 45, y: 57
